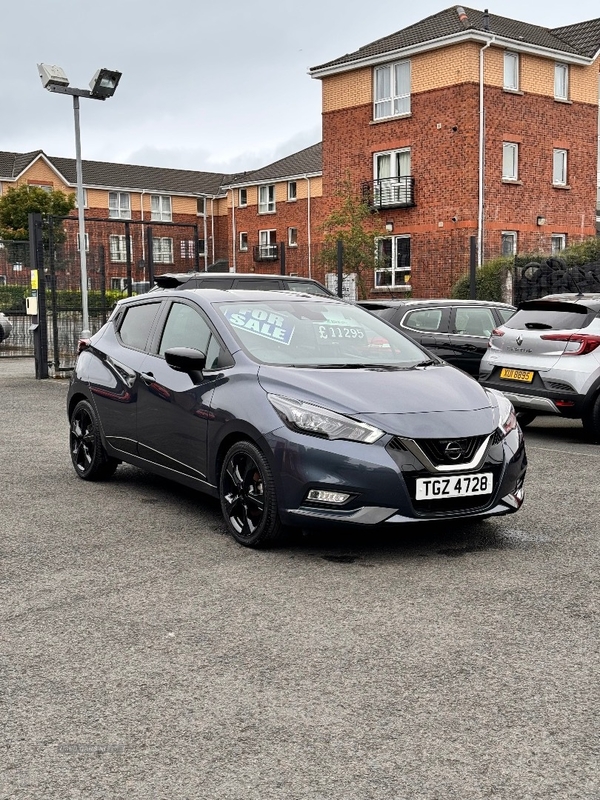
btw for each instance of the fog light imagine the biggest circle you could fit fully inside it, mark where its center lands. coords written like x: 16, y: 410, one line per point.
x: 321, y: 496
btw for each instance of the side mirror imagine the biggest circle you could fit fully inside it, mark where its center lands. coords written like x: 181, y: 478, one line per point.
x: 185, y: 359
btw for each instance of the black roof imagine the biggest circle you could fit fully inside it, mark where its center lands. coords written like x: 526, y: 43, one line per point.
x: 307, y: 161
x: 391, y: 303
x: 582, y: 39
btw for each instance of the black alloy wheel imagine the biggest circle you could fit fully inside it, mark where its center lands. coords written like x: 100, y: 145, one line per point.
x: 247, y: 493
x: 90, y: 459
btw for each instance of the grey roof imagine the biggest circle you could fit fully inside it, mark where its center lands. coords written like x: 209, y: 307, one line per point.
x: 129, y: 176
x: 582, y: 39
x: 307, y: 161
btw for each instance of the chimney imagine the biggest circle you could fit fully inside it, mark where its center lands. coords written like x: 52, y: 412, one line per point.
x: 462, y: 16
x: 486, y: 20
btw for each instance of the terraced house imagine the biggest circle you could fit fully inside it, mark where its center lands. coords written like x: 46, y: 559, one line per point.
x: 466, y: 124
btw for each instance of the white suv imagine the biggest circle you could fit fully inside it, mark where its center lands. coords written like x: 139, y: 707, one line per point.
x: 546, y: 359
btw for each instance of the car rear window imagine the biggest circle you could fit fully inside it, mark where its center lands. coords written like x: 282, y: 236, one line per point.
x: 550, y: 316
x: 308, y: 287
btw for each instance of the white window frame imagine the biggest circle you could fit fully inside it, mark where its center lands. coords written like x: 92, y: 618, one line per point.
x: 243, y: 243
x: 398, y: 273
x: 292, y: 191
x: 510, y: 161
x: 242, y: 198
x: 558, y: 242
x: 560, y: 166
x: 509, y: 236
x: 561, y: 81
x: 292, y: 237
x: 162, y: 249
x: 511, y: 71
x: 390, y: 190
x: 266, y: 199
x: 392, y: 90
x: 85, y: 199
x: 161, y: 208
x: 118, y: 254
x: 267, y: 243
x: 119, y: 205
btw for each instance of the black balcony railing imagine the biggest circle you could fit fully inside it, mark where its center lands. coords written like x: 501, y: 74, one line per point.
x: 265, y: 252
x: 389, y: 192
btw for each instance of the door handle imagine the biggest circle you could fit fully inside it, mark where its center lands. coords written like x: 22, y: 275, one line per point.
x: 147, y: 377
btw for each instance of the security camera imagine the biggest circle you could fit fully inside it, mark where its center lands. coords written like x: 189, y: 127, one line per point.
x: 51, y: 75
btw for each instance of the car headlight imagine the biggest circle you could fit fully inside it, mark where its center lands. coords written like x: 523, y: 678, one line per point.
x: 318, y: 421
x: 507, y: 419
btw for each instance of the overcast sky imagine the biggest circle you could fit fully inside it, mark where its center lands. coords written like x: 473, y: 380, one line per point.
x: 207, y: 85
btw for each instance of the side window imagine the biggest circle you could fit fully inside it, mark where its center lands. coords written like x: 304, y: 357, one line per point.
x: 474, y: 321
x: 214, y: 283
x: 505, y: 314
x: 136, y: 325
x: 258, y: 285
x: 306, y: 287
x: 426, y: 319
x: 185, y: 328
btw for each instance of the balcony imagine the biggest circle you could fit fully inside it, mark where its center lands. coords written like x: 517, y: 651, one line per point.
x: 389, y: 192
x: 265, y: 252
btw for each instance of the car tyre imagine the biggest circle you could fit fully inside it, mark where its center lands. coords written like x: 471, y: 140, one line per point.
x: 90, y: 459
x: 591, y: 421
x: 248, y: 499
x: 525, y: 418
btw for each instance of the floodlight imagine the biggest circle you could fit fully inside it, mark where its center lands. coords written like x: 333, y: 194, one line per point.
x: 104, y: 83
x: 51, y: 75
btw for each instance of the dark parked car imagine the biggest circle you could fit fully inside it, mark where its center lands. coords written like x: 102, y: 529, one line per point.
x: 240, y: 280
x: 455, y: 330
x: 5, y: 327
x: 293, y: 410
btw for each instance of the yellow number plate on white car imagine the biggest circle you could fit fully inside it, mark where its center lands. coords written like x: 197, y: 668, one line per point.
x: 517, y: 375
x: 455, y: 486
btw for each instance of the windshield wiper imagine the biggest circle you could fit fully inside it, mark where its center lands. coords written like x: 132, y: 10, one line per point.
x: 429, y: 363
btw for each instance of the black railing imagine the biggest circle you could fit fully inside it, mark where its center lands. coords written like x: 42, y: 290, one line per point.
x: 389, y: 192
x: 265, y: 252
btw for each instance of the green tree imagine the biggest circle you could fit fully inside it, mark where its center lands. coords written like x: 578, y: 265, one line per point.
x: 353, y: 223
x: 17, y: 204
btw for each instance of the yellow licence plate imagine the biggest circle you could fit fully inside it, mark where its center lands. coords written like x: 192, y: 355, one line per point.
x: 517, y: 375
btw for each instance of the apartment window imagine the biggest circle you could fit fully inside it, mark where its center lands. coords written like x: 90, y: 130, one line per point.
x: 243, y: 242
x: 391, y: 90
x: 292, y: 190
x: 118, y: 249
x: 47, y: 187
x: 267, y: 244
x: 242, y: 198
x: 118, y: 284
x: 510, y: 161
x: 509, y: 243
x: 160, y: 206
x: 85, y: 199
x: 561, y: 81
x: 201, y: 206
x: 119, y: 205
x: 559, y: 168
x: 266, y: 199
x: 392, y: 173
x: 292, y: 237
x: 187, y: 248
x: 558, y: 242
x: 87, y: 242
x: 511, y: 72
x: 393, y: 261
x: 162, y: 250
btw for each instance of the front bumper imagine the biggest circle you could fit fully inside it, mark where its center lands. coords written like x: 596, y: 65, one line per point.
x: 381, y: 481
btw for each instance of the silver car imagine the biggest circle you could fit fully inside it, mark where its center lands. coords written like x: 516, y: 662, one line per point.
x: 5, y: 327
x: 546, y: 359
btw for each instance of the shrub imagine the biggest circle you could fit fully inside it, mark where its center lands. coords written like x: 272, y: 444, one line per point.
x: 489, y: 281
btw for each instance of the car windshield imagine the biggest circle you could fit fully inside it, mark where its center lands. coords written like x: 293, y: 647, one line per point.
x: 318, y: 334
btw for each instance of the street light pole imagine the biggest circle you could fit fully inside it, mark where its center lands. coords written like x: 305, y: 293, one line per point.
x: 103, y: 85
x: 86, y: 332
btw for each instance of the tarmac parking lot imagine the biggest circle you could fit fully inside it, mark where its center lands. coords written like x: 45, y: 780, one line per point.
x: 146, y: 655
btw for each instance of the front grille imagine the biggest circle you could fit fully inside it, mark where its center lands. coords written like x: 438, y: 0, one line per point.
x: 440, y: 451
